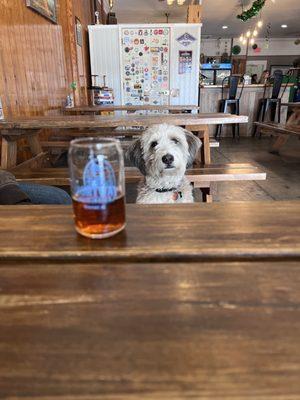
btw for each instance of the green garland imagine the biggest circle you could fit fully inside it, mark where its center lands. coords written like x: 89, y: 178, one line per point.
x: 253, y: 11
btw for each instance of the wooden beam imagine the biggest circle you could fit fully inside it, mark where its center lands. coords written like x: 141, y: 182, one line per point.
x: 194, y: 14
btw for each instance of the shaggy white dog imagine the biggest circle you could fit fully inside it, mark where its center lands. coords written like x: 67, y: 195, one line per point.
x: 162, y: 154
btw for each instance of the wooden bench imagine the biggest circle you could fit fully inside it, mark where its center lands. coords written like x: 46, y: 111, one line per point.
x: 283, y: 131
x: 64, y: 144
x: 200, y: 177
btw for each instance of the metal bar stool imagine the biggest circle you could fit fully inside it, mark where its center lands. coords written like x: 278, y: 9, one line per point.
x: 273, y: 102
x: 232, y: 102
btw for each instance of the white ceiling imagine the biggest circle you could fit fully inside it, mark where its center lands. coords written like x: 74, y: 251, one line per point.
x: 216, y: 13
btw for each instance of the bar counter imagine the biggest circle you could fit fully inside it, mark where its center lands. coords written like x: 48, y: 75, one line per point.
x: 210, y: 97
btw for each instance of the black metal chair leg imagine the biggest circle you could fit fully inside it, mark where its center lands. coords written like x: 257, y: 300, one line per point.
x: 237, y: 109
x: 279, y: 111
x: 259, y: 109
x: 273, y: 106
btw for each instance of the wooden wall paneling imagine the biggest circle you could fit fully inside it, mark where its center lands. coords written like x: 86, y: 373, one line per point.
x: 38, y: 59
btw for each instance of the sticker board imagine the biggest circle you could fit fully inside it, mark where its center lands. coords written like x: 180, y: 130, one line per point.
x: 145, y: 65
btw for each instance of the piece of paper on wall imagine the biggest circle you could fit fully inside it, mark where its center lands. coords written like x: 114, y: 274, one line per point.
x: 185, y: 62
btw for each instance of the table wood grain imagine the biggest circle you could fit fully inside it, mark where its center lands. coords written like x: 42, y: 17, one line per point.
x: 145, y: 107
x: 131, y: 331
x: 97, y: 121
x: 186, y: 232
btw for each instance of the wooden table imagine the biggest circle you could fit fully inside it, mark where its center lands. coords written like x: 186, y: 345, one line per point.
x: 12, y: 129
x: 112, y: 108
x: 227, y: 231
x: 216, y: 318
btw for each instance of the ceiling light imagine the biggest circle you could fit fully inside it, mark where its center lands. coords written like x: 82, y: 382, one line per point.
x: 284, y: 26
x: 224, y: 27
x: 260, y: 23
x: 170, y: 2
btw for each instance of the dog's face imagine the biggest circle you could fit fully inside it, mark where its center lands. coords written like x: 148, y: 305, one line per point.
x: 164, y: 150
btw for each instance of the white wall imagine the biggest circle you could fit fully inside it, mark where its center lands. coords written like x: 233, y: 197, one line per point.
x: 277, y: 46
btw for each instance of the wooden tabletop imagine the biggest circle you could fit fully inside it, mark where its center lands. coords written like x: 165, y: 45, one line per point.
x: 145, y: 107
x: 111, y: 121
x: 132, y: 331
x: 218, y: 231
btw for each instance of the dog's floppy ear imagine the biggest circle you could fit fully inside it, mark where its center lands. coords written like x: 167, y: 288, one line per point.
x: 135, y: 156
x: 194, y: 145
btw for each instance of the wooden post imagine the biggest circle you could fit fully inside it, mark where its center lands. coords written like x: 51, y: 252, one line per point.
x: 194, y: 14
x: 8, y: 152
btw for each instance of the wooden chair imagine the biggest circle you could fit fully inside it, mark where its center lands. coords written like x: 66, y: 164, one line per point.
x: 232, y: 102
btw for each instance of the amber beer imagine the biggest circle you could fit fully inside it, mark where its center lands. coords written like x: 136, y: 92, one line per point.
x: 99, y: 219
x: 97, y: 186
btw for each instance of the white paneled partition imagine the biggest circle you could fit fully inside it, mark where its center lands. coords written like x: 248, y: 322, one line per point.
x: 141, y: 59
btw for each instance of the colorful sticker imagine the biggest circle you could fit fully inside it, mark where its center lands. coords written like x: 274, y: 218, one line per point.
x: 185, y: 62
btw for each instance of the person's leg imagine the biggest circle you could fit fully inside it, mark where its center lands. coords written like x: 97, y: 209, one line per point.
x: 42, y: 194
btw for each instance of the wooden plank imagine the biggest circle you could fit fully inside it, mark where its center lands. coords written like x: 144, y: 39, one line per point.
x: 60, y: 176
x: 145, y: 107
x: 95, y: 121
x: 279, y: 128
x: 34, y: 163
x: 8, y: 152
x: 34, y: 144
x: 218, y: 231
x: 165, y: 331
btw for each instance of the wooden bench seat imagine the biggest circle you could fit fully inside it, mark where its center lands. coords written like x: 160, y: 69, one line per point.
x: 282, y: 131
x: 201, y: 177
x: 64, y: 144
x: 272, y: 127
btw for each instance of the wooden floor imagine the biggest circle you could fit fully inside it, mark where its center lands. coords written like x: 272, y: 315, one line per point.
x: 283, y: 171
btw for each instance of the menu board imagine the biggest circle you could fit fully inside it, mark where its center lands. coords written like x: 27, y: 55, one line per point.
x: 145, y: 66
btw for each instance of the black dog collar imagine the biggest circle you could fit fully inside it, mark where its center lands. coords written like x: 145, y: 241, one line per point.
x: 176, y: 192
x: 164, y: 190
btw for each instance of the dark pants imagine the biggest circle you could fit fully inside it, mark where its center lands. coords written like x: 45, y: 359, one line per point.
x: 41, y: 194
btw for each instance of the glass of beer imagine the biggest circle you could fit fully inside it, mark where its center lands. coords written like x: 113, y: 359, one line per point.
x: 97, y: 186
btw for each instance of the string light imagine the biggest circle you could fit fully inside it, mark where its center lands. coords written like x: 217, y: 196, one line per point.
x: 179, y: 2
x: 252, y: 41
x: 244, y: 41
x: 241, y: 38
x: 260, y: 23
x: 255, y: 32
x: 248, y: 34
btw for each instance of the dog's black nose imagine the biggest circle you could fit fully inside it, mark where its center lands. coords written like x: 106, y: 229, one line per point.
x: 167, y: 159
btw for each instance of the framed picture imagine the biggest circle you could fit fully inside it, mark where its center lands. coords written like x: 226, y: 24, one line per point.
x: 78, y: 29
x: 283, y: 68
x: 256, y: 67
x: 47, y: 8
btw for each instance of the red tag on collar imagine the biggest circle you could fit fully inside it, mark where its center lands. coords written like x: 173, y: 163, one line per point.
x: 175, y: 196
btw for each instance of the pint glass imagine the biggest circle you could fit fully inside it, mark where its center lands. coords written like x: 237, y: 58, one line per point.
x: 97, y: 186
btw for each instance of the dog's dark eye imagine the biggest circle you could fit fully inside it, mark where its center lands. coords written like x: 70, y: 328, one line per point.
x: 175, y: 141
x: 153, y: 144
